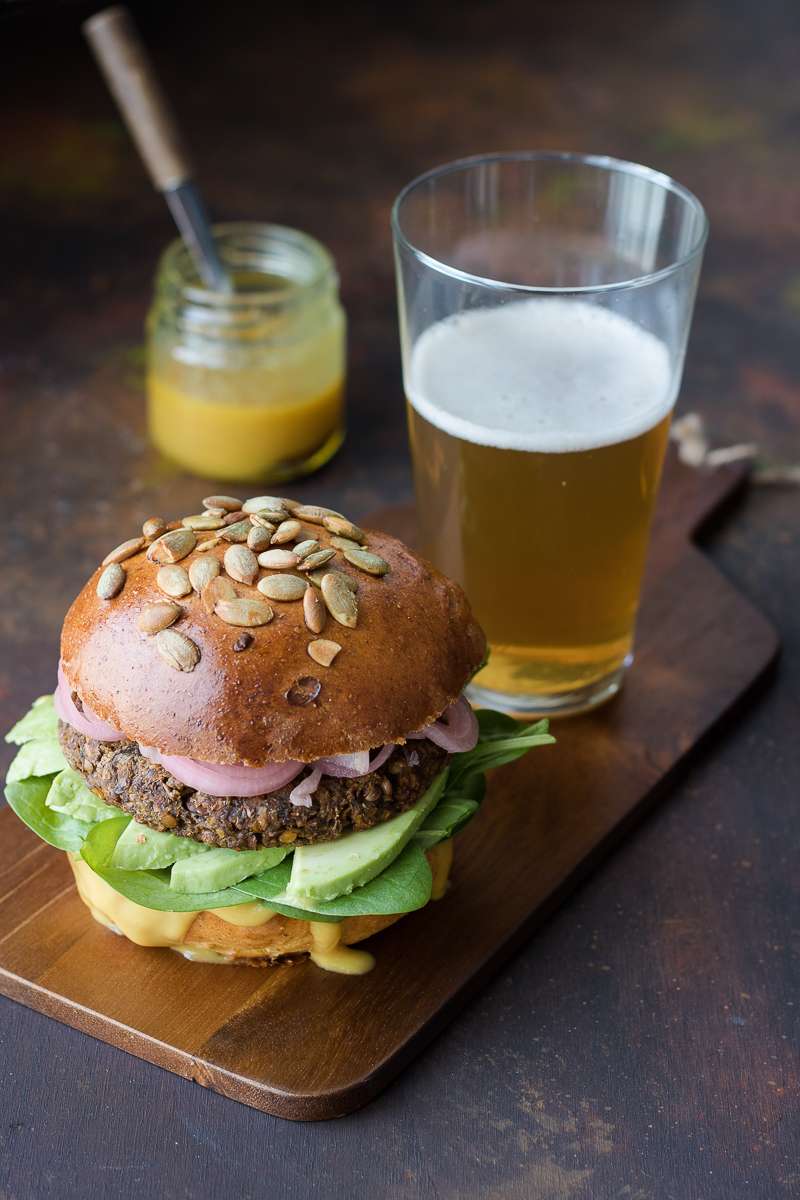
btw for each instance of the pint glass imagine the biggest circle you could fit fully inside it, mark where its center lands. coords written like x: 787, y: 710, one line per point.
x: 545, y: 301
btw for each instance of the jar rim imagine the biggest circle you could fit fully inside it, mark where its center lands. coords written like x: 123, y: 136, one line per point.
x: 308, y: 267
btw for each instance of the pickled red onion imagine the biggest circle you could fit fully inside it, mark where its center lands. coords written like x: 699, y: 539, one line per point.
x: 381, y: 757
x: 86, y: 722
x: 353, y: 766
x: 345, y: 766
x: 217, y: 780
x: 302, y: 792
x: 456, y: 729
x: 340, y: 766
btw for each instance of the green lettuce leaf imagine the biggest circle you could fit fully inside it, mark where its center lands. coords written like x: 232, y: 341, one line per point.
x: 140, y: 848
x: 469, y: 787
x: 27, y: 798
x: 501, y: 740
x: 40, y: 722
x: 39, y: 756
x: 69, y: 795
x: 493, y: 724
x: 149, y: 888
x: 447, y: 819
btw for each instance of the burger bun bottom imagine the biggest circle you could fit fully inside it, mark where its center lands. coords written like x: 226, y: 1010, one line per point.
x: 208, y: 937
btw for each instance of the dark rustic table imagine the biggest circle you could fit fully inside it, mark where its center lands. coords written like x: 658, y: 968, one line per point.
x: 643, y: 1046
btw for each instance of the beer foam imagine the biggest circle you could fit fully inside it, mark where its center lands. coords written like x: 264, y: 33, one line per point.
x: 548, y: 375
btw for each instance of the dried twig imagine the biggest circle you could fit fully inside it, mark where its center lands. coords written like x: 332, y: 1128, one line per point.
x: 689, y: 434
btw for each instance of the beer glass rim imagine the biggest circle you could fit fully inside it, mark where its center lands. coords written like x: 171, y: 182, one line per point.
x: 604, y: 162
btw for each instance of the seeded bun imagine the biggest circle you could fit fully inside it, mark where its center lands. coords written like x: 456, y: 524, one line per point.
x: 254, y: 695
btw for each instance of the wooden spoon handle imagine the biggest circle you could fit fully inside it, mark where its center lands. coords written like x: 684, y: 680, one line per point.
x: 129, y: 73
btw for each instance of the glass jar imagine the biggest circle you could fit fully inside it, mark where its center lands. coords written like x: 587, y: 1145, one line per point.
x: 248, y: 385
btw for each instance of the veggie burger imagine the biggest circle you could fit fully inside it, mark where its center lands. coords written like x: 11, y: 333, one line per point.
x: 258, y: 747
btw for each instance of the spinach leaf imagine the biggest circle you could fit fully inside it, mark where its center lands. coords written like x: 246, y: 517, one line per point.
x: 447, y: 819
x: 27, y: 798
x: 501, y: 740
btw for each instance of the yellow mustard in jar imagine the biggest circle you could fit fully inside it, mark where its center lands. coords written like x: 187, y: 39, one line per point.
x: 248, y: 385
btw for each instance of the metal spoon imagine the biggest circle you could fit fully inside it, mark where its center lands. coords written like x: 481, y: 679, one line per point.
x: 129, y: 73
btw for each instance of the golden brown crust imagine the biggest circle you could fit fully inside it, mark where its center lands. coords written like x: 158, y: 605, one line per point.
x: 415, y: 646
x: 276, y: 939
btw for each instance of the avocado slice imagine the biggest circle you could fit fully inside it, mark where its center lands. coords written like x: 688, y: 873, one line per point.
x: 330, y: 869
x: 220, y: 868
x: 142, y: 849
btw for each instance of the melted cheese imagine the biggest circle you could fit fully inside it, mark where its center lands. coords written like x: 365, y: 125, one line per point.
x: 144, y: 926
x: 246, y: 915
x: 148, y: 926
x: 329, y: 953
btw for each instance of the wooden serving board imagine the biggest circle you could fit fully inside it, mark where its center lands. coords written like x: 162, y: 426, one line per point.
x: 303, y: 1044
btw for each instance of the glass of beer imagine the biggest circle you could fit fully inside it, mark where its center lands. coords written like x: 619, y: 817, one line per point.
x: 545, y: 301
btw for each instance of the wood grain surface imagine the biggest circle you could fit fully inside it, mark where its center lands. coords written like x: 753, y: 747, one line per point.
x: 284, y: 1040
x: 643, y: 1046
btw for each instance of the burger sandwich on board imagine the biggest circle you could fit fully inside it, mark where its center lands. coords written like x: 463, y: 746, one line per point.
x: 259, y: 746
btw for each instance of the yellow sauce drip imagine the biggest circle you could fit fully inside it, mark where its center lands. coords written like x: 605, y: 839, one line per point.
x: 246, y: 915
x: 144, y: 926
x: 440, y: 858
x: 148, y: 926
x: 329, y: 954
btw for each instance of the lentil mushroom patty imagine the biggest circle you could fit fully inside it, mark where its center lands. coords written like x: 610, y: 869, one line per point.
x: 121, y: 775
